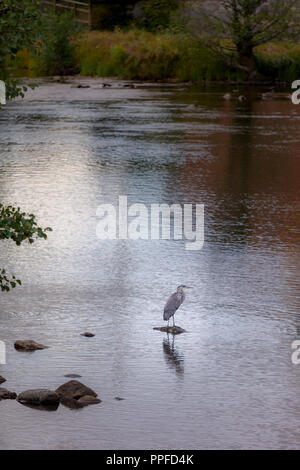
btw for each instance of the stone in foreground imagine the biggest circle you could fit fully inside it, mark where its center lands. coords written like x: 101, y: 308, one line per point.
x: 2, y: 379
x: 75, y: 390
x: 74, y: 394
x: 28, y: 345
x: 87, y: 334
x: 39, y: 396
x: 174, y: 330
x: 7, y: 395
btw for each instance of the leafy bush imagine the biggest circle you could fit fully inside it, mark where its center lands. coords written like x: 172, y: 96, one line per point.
x: 142, y: 55
x: 19, y: 28
x: 279, y: 60
x: 17, y: 226
x: 57, y: 50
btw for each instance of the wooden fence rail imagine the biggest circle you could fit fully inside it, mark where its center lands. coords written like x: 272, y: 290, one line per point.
x: 82, y: 10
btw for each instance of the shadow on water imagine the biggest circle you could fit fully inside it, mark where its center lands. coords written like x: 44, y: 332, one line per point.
x: 173, y: 356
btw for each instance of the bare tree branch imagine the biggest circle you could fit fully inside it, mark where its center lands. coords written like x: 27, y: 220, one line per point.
x: 246, y: 23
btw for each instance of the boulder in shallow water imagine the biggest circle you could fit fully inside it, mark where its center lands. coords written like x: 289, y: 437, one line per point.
x: 7, y: 395
x: 74, y: 390
x: 2, y: 379
x: 39, y: 396
x: 74, y: 394
x: 28, y: 345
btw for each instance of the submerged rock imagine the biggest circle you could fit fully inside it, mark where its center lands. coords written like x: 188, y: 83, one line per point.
x: 39, y: 397
x: 88, y: 400
x: 87, y: 334
x: 7, y: 395
x: 71, y: 403
x: 2, y: 379
x: 119, y: 398
x: 28, y: 345
x: 174, y: 330
x: 80, y: 86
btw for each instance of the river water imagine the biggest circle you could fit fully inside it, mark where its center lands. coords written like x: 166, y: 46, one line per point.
x: 229, y: 381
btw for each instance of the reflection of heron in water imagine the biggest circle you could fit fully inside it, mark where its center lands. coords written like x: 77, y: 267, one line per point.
x: 173, y: 357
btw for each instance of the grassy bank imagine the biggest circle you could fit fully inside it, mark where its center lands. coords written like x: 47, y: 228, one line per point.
x: 146, y: 56
x: 141, y: 55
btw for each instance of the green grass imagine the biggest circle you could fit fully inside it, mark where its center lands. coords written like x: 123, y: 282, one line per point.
x: 141, y: 55
x: 279, y: 60
x: 137, y: 54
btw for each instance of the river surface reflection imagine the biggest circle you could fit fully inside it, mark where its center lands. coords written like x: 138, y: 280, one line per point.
x: 228, y: 382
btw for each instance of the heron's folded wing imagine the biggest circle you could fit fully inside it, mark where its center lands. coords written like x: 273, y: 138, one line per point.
x: 171, y: 306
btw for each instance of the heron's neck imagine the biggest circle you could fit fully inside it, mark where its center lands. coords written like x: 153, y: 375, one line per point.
x: 181, y: 292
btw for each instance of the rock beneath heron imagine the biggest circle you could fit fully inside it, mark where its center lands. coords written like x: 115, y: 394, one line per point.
x: 28, y: 345
x: 39, y: 396
x: 87, y: 334
x: 73, y: 376
x: 2, y: 379
x: 7, y: 395
x: 174, y: 330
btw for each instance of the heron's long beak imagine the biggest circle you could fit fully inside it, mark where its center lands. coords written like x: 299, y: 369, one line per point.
x: 188, y: 287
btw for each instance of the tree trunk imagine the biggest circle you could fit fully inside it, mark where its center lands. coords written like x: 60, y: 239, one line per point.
x: 246, y: 60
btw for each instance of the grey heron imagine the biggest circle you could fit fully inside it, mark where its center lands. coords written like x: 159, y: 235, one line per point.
x: 174, y: 303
